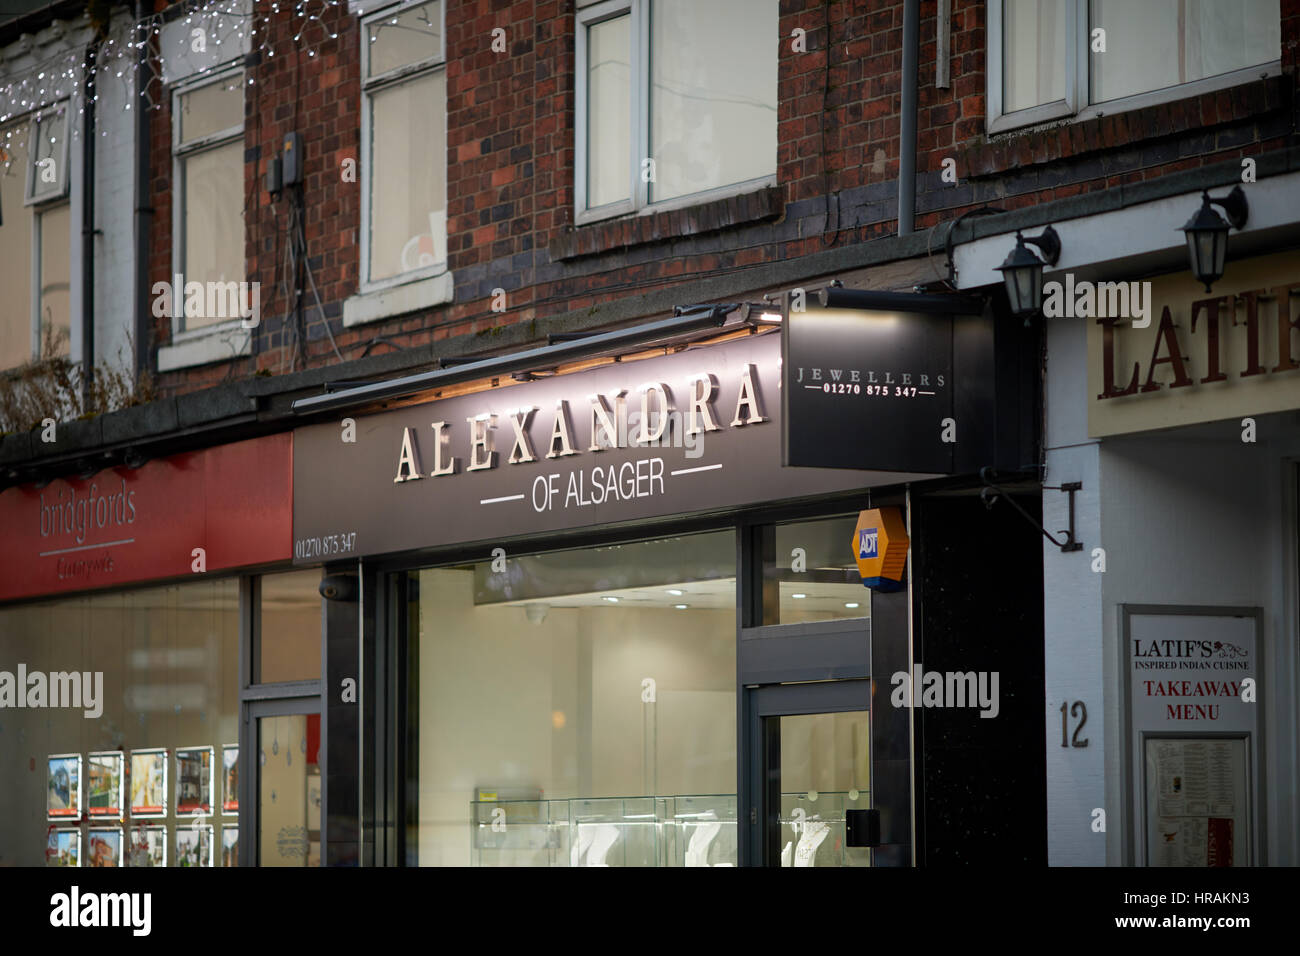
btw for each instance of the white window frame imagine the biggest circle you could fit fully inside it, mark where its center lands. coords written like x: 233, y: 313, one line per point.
x: 40, y: 206
x: 33, y: 131
x: 369, y: 86
x: 1075, y: 105
x: 638, y: 117
x: 180, y: 153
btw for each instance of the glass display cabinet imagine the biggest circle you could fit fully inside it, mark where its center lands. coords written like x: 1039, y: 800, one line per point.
x: 519, y: 833
x: 812, y: 829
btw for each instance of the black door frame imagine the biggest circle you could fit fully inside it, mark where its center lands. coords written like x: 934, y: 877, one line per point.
x: 759, y: 839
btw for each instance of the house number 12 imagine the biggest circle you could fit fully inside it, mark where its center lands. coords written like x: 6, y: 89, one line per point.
x: 1080, y: 710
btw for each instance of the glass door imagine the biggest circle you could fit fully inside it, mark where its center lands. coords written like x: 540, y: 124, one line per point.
x: 288, y: 792
x: 814, y: 773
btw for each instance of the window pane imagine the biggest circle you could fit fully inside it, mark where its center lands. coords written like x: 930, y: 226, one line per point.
x: 291, y: 627
x: 169, y: 659
x: 15, y: 249
x: 1033, y: 53
x: 214, y: 222
x: 407, y: 37
x: 810, y: 573
x: 609, y: 98
x: 712, y: 115
x: 212, y: 109
x: 1161, y: 43
x: 289, y: 789
x: 408, y: 176
x: 55, y: 276
x: 580, y: 694
x: 48, y: 175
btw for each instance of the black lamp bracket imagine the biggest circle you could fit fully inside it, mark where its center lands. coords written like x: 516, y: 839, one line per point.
x: 991, y: 492
x: 1234, y: 206
x: 1048, y: 243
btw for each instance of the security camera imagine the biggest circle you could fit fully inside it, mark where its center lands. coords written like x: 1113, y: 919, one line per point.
x: 339, y: 587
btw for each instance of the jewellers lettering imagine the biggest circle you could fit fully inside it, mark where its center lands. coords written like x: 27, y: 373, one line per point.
x: 833, y: 379
x: 610, y: 425
x: 76, y: 516
x: 1209, y: 315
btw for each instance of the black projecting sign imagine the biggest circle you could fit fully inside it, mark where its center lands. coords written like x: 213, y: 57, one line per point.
x: 907, y: 383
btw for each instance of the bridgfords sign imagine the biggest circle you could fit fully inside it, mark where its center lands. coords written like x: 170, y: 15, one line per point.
x: 690, y: 433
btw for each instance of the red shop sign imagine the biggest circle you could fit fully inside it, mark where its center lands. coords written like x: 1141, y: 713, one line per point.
x: 234, y: 502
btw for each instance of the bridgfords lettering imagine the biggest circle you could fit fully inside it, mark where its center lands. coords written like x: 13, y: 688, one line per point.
x: 609, y: 422
x: 75, y: 515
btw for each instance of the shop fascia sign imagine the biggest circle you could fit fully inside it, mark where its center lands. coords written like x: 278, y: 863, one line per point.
x: 1210, y: 319
x: 619, y: 442
x: 611, y: 424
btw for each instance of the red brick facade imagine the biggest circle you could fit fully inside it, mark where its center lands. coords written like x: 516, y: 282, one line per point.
x: 510, y: 158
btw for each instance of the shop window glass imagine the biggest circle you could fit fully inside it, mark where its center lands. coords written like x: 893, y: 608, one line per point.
x: 809, y: 572
x: 290, y: 636
x: 577, y: 708
x: 168, y: 659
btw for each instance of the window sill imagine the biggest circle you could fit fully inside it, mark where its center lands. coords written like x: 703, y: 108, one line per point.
x: 639, y: 229
x: 398, y: 300
x: 218, y: 344
x: 1094, y: 132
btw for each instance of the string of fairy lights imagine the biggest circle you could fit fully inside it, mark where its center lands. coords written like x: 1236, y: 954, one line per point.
x: 55, y: 85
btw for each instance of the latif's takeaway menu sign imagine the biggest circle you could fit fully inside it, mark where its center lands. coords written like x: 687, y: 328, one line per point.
x: 694, y: 432
x: 1194, y: 686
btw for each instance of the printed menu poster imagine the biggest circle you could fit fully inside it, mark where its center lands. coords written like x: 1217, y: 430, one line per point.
x: 1196, y: 801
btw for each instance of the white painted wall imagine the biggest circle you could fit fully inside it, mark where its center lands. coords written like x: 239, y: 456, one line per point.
x: 1072, y: 607
x: 1186, y: 517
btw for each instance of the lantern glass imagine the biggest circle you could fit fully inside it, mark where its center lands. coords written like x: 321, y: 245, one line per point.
x: 1024, y: 288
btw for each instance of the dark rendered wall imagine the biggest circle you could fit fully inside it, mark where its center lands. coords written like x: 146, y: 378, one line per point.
x: 978, y: 606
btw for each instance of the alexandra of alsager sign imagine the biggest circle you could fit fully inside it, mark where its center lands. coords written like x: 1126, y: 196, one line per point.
x: 689, y: 433
x: 1228, y: 354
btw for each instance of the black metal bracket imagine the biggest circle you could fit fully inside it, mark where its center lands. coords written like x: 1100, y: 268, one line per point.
x: 990, y: 493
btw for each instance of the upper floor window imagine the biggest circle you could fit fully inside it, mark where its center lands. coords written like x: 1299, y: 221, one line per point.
x: 208, y: 153
x: 35, y: 237
x: 404, y: 144
x: 675, y: 99
x: 1055, y: 58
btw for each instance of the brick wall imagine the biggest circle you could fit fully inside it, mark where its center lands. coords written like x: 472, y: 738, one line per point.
x: 510, y: 156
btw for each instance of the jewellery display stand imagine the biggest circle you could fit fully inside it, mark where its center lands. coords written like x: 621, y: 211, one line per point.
x: 616, y: 831
x: 812, y: 829
x: 701, y: 830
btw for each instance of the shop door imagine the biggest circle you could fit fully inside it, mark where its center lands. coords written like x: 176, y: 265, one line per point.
x: 287, y: 792
x: 811, y: 775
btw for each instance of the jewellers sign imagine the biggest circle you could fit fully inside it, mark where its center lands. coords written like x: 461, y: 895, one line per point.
x: 900, y: 382
x: 1203, y: 357
x: 692, y: 433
